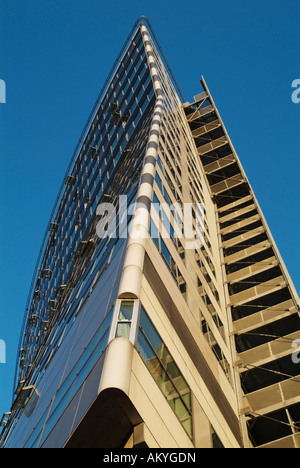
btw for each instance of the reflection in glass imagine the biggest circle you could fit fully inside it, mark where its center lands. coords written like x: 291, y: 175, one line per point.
x: 165, y: 371
x: 123, y: 330
x: 124, y: 319
x: 126, y: 310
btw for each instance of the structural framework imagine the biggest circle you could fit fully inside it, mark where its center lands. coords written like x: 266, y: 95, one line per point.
x: 181, y: 335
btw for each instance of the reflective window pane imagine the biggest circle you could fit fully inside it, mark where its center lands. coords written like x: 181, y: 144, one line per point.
x: 123, y: 330
x: 165, y: 372
x: 126, y: 310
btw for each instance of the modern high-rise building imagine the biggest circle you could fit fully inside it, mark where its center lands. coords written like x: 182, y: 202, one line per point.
x: 160, y: 313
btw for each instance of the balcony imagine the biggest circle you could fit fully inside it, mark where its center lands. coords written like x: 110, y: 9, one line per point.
x: 198, y: 113
x: 219, y: 164
x: 251, y: 270
x: 232, y: 205
x: 247, y: 252
x: 212, y: 145
x: 264, y: 317
x: 227, y: 184
x: 240, y: 224
x: 257, y: 291
x: 237, y: 213
x: 206, y: 128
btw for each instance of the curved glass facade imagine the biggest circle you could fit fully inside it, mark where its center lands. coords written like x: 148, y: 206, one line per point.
x: 73, y: 255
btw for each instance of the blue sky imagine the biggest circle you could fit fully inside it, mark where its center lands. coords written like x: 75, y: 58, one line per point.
x: 55, y: 56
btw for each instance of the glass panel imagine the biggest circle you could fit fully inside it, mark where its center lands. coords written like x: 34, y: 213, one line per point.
x: 154, y: 232
x: 164, y: 371
x: 172, y: 369
x: 126, y: 310
x: 187, y: 424
x: 156, y: 203
x: 216, y: 443
x: 165, y: 253
x: 62, y: 403
x: 165, y: 221
x: 144, y: 348
x: 123, y: 330
x: 158, y: 373
x: 159, y: 182
x: 150, y: 331
x: 180, y: 409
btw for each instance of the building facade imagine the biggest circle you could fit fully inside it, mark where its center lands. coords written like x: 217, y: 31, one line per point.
x: 161, y: 313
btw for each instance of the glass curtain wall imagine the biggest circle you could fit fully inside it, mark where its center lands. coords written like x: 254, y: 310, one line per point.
x: 107, y: 164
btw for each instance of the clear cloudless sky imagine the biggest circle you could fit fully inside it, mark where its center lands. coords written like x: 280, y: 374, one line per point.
x: 55, y: 56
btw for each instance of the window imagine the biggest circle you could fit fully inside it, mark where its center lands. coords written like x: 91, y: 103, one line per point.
x: 124, y: 319
x: 216, y: 442
x: 93, y: 170
x: 159, y: 182
x: 165, y: 371
x: 210, y: 338
x: 168, y: 259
